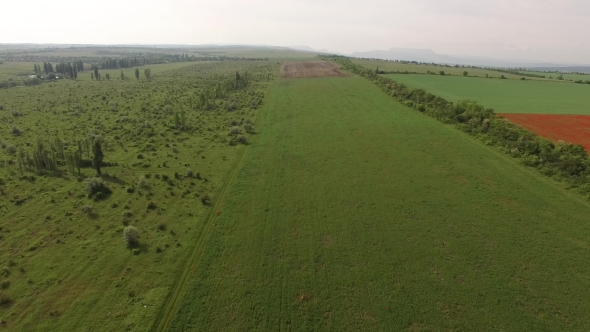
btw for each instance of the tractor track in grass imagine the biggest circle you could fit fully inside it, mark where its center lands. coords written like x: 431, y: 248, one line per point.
x: 168, y: 312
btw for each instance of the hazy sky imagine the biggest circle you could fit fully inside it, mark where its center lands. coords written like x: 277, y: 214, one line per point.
x: 550, y: 30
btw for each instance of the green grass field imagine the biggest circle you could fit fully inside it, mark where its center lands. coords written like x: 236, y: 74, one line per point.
x: 573, y: 77
x: 425, y: 68
x: 65, y: 269
x: 352, y: 212
x: 15, y: 70
x: 506, y: 96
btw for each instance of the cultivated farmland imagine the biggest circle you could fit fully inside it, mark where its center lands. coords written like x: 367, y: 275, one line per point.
x: 311, y: 69
x: 506, y: 96
x: 352, y: 212
x: 567, y: 128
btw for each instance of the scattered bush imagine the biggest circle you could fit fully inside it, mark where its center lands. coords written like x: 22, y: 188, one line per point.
x: 4, y: 284
x: 88, y: 209
x: 189, y: 173
x: 242, y: 139
x: 142, y: 182
x: 235, y: 130
x: 127, y: 214
x: 151, y: 205
x: 205, y: 199
x: 1, y: 107
x: 11, y: 150
x: 97, y: 189
x: 161, y: 226
x: 5, y: 300
x: 233, y: 122
x: 15, y: 131
x: 249, y: 128
x: 131, y: 236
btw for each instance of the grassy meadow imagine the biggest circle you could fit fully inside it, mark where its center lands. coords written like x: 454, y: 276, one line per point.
x: 425, y: 68
x: 64, y: 262
x: 354, y: 213
x: 506, y: 96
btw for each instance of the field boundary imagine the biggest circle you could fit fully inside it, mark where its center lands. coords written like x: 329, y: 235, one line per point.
x: 167, y: 313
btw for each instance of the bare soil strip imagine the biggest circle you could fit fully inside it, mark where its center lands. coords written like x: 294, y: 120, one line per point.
x: 311, y: 69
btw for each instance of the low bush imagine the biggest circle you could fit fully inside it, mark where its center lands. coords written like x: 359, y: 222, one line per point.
x: 205, y: 199
x: 131, y: 236
x: 88, y: 209
x: 97, y: 189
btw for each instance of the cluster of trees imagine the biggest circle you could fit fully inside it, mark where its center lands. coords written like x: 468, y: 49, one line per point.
x: 50, y: 155
x: 220, y: 90
x: 64, y: 68
x: 564, y: 161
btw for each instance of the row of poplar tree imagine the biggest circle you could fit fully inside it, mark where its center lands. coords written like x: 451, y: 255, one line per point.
x: 49, y: 155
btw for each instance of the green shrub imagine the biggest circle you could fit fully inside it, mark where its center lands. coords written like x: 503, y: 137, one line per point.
x: 5, y: 300
x: 97, y: 189
x: 189, y: 173
x: 235, y: 130
x: 151, y: 205
x: 15, y: 131
x: 142, y: 182
x: 205, y: 199
x: 88, y: 209
x: 131, y: 236
x: 242, y: 139
x: 249, y: 128
x: 11, y: 150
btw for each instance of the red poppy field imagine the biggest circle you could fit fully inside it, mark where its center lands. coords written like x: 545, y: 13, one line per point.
x: 568, y: 128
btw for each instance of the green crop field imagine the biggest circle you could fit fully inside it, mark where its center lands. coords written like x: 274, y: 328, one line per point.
x: 352, y: 212
x: 425, y: 68
x: 506, y: 96
x: 264, y: 204
x: 566, y: 76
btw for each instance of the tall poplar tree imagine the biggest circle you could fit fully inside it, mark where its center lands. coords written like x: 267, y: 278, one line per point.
x: 97, y: 156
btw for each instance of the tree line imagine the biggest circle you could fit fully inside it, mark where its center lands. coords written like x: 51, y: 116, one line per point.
x: 48, y: 156
x: 562, y: 161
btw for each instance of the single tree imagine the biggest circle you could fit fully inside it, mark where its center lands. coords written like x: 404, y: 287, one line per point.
x: 442, y: 73
x: 148, y: 73
x: 465, y: 73
x: 122, y: 76
x: 96, y: 72
x: 97, y: 156
x: 137, y: 73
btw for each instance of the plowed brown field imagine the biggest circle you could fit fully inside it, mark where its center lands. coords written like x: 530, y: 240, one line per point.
x: 311, y: 69
x: 568, y: 128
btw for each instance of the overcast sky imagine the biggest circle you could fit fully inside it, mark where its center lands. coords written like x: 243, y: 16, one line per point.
x: 548, y: 30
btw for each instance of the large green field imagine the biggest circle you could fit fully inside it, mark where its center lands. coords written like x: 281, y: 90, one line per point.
x: 352, y: 212
x: 64, y: 264
x: 506, y: 96
x: 425, y: 68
